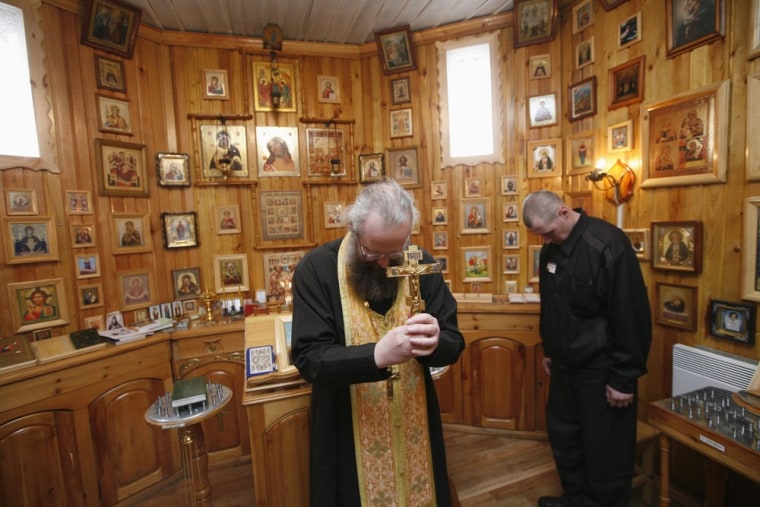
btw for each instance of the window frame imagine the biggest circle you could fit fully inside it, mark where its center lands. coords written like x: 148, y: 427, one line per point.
x: 497, y: 112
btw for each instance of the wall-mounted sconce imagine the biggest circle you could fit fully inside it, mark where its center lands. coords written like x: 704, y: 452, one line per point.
x: 335, y: 168
x: 618, y: 180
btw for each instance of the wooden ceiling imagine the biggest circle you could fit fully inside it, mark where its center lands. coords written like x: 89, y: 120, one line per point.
x: 338, y: 21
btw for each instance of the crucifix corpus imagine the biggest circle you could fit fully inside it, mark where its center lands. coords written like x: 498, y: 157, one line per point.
x: 411, y: 269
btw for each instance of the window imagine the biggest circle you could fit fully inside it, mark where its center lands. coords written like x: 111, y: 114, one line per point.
x: 470, y: 97
x: 26, y: 128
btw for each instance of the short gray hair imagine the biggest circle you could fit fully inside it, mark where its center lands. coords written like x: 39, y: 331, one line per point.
x: 386, y: 198
x: 542, y: 205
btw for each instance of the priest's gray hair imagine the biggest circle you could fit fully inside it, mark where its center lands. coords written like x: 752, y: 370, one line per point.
x: 541, y: 205
x: 386, y: 198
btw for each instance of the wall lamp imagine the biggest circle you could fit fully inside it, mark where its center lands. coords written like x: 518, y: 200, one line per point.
x: 276, y: 93
x: 618, y: 181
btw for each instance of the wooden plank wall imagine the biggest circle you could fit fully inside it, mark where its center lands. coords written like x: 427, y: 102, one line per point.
x: 163, y: 87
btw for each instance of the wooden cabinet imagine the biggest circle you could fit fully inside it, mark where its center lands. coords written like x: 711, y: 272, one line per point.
x: 279, y: 417
x: 216, y: 352
x: 495, y: 383
x: 73, y: 432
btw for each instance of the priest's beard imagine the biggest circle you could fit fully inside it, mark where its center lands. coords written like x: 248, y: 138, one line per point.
x: 369, y: 281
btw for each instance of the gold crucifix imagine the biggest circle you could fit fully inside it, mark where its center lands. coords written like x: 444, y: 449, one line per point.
x: 411, y: 269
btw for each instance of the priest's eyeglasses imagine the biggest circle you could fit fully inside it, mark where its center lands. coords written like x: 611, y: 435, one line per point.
x: 370, y: 256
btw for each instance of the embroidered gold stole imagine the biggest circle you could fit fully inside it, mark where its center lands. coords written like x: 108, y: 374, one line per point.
x: 391, y: 438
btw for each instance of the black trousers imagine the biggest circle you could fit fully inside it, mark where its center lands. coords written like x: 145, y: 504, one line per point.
x: 594, y: 445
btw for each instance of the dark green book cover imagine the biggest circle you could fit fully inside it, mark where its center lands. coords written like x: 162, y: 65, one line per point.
x: 188, y: 391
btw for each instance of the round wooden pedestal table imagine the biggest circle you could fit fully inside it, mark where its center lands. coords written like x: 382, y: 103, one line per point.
x: 191, y: 438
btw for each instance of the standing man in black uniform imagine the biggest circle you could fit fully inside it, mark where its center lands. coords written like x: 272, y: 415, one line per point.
x: 595, y: 325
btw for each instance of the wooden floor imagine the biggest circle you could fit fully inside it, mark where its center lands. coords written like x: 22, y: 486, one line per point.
x: 487, y: 469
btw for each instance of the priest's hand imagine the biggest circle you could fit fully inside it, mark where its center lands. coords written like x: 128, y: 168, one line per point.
x: 418, y: 337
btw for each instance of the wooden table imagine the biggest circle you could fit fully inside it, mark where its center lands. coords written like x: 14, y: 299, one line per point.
x: 191, y: 437
x: 692, y: 431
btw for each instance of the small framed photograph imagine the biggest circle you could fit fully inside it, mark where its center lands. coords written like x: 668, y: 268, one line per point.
x: 584, y: 53
x: 400, y: 91
x: 180, y: 229
x: 535, y: 21
x: 620, y: 137
x: 223, y: 148
x: 281, y: 215
x: 509, y: 185
x: 440, y: 240
x: 190, y: 306
x: 582, y: 200
x: 676, y: 306
x: 38, y: 304
x: 511, y: 264
x: 475, y: 216
x: 334, y: 214
x: 545, y: 158
x: 136, y: 289
x: 581, y: 153
x: 677, y: 246
x: 534, y: 254
x: 121, y: 168
x: 395, y: 49
x: 173, y: 169
x: 114, y: 320
x: 227, y: 219
x: 111, y: 25
x: 109, y: 74
x: 91, y: 296
x: 543, y: 110
x: 733, y: 321
x: 371, y: 167
x: 78, y: 202
x: 472, y: 187
x: 583, y: 99
x: 440, y: 216
x: 639, y: 242
x: 629, y: 31
x: 511, y: 212
x: 186, y: 283
x: 82, y: 235
x: 511, y: 239
x: 751, y: 253
x: 583, y: 16
x: 510, y: 286
x: 477, y: 265
x: 626, y: 83
x: 30, y: 240
x: 403, y: 166
x: 443, y: 260
x: 439, y: 190
x: 401, y: 123
x: 215, y: 84
x: 754, y: 32
x: 42, y: 334
x: 177, y: 310
x: 268, y: 79
x: 329, y: 89
x: 21, y: 201
x: 684, y: 138
x: 140, y: 316
x: 230, y: 273
x: 540, y: 66
x: 691, y: 24
x: 96, y: 322
x: 131, y: 233
x: 611, y: 4
x: 88, y: 265
x: 154, y: 312
x: 113, y: 115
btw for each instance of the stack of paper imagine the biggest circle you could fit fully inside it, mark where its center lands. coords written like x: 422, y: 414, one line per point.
x: 122, y: 335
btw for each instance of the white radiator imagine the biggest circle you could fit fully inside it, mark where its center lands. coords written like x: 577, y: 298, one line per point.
x: 698, y: 367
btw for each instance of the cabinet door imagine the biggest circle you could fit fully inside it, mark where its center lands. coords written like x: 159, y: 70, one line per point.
x: 226, y: 433
x: 39, y: 465
x: 132, y: 454
x: 498, y: 383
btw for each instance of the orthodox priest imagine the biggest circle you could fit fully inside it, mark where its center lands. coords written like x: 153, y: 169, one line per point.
x: 376, y: 434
